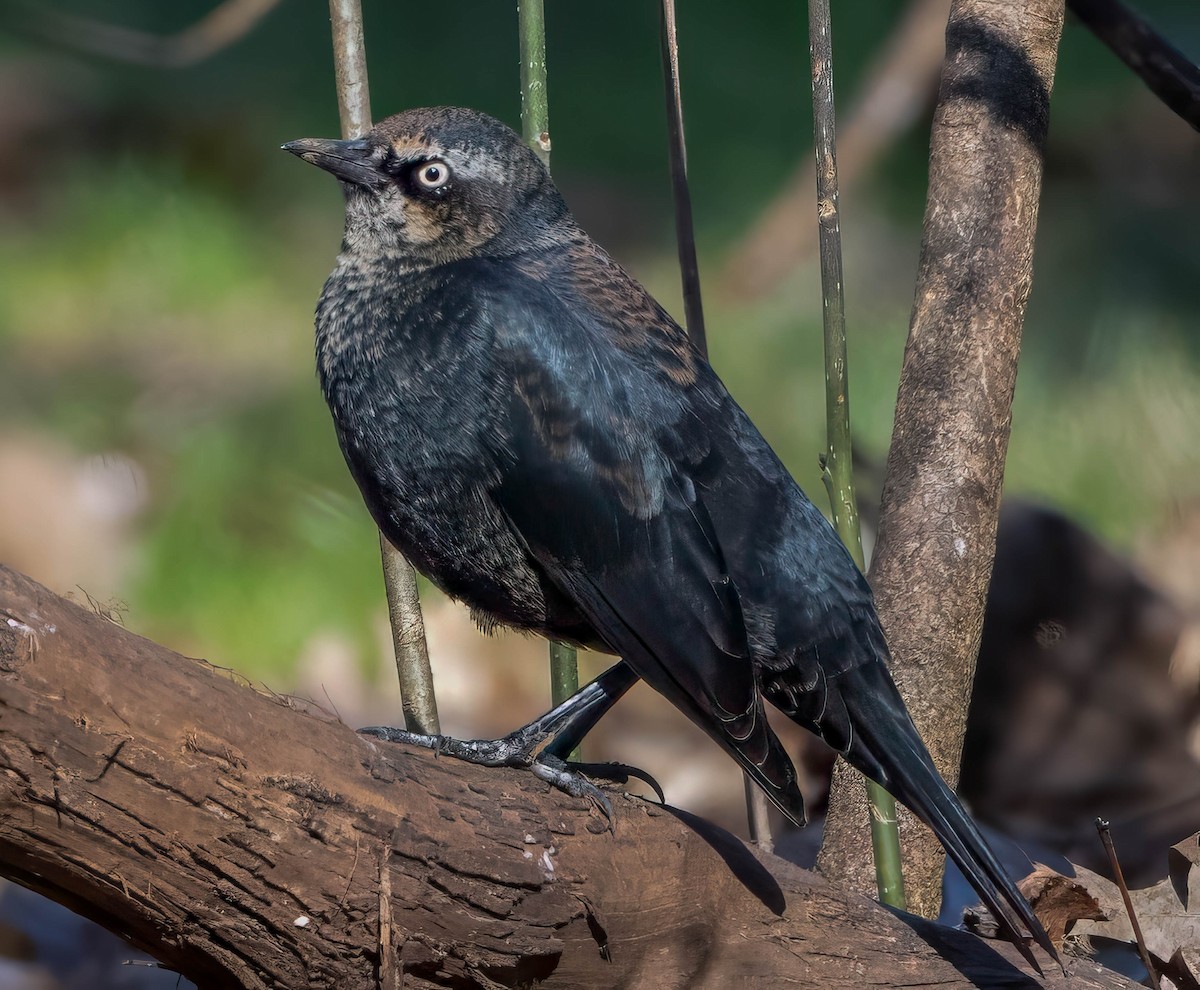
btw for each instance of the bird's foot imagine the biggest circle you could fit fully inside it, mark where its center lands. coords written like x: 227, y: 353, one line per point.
x: 515, y: 750
x: 619, y: 773
x: 559, y: 774
x: 519, y: 750
x: 543, y: 745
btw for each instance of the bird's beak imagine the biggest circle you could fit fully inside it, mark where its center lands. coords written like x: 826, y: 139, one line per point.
x: 350, y: 161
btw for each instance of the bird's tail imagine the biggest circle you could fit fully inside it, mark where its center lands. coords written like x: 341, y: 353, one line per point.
x: 884, y: 744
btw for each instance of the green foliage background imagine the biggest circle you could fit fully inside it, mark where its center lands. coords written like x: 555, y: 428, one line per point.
x: 159, y: 261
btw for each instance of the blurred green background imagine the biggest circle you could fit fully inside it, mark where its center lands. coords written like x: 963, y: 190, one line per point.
x: 164, y: 448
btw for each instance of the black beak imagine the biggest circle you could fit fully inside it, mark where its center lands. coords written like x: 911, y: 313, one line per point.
x: 350, y: 161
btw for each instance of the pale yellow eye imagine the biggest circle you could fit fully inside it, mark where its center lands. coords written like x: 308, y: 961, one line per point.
x: 433, y: 174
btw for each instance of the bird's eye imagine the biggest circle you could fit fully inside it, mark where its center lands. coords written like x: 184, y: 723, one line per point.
x: 433, y: 174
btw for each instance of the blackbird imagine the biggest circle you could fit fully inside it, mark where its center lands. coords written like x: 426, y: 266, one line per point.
x: 541, y: 439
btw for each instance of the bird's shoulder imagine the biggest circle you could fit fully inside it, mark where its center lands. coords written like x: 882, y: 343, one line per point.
x: 606, y: 307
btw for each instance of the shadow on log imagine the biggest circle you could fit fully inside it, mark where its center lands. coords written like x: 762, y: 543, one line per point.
x: 249, y: 841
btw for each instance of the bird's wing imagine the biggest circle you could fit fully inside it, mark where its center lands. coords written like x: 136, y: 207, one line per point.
x: 648, y: 496
x: 599, y: 464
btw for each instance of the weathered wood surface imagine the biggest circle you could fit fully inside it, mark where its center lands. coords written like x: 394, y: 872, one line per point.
x: 246, y: 840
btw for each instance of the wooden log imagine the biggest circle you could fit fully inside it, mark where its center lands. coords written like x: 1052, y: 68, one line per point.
x: 250, y: 840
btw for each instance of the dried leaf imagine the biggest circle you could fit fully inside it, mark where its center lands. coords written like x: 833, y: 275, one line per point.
x: 1059, y: 902
x: 1182, y: 860
x: 1177, y: 970
x: 1168, y: 912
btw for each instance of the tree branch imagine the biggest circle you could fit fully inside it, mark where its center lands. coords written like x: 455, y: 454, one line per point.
x: 1167, y: 72
x: 249, y: 841
x: 224, y: 25
x: 941, y: 498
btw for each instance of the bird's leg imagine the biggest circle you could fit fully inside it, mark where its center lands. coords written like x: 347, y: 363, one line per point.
x: 564, y: 726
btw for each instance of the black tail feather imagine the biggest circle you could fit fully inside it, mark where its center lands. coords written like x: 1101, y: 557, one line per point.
x: 886, y: 747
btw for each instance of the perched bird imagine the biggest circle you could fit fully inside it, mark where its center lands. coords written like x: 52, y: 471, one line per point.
x: 543, y: 442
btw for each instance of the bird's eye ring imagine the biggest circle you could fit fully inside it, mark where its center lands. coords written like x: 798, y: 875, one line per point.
x: 433, y: 174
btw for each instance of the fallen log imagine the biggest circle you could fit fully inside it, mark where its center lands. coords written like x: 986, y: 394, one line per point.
x: 250, y: 840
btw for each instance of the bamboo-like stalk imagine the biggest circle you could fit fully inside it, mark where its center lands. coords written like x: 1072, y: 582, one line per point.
x: 350, y: 67
x: 535, y: 98
x: 399, y: 578
x: 836, y: 463
x: 417, y: 698
x: 535, y: 127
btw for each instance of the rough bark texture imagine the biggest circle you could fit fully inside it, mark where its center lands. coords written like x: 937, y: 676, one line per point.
x: 249, y: 842
x: 941, y: 497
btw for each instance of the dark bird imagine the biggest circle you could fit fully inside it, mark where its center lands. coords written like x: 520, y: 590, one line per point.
x: 540, y: 438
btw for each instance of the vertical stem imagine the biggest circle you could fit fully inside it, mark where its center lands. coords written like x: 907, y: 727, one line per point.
x: 399, y: 578
x: 758, y: 816
x: 350, y: 67
x: 836, y: 464
x: 417, y: 698
x: 564, y: 672
x: 685, y: 235
x: 535, y: 98
x: 535, y: 127
x: 757, y: 812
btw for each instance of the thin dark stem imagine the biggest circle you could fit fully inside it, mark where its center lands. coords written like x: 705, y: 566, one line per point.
x: 757, y: 812
x: 1143, y: 951
x: 685, y: 234
x: 1169, y: 74
x: 399, y: 578
x: 836, y: 464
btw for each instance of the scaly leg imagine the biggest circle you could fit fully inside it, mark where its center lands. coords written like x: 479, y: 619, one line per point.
x: 564, y: 726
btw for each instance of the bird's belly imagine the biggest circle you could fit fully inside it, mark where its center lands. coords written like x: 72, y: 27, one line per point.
x: 422, y: 460
x: 444, y: 521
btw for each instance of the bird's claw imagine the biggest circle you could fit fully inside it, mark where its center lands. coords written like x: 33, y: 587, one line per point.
x: 619, y: 773
x: 515, y: 751
x: 566, y: 778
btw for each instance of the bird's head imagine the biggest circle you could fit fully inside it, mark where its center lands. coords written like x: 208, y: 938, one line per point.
x: 434, y: 185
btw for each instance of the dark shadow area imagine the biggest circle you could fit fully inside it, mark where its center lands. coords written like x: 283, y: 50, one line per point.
x: 973, y: 957
x: 1075, y: 712
x: 992, y: 71
x: 741, y: 862
x: 45, y: 946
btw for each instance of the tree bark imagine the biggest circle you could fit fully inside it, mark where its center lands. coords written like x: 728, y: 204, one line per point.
x: 247, y: 840
x: 941, y: 497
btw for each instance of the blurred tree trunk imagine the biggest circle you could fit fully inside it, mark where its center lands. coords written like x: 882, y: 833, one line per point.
x: 941, y: 497
x: 247, y: 841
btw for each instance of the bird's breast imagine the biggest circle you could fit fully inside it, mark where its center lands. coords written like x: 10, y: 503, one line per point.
x: 418, y: 407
